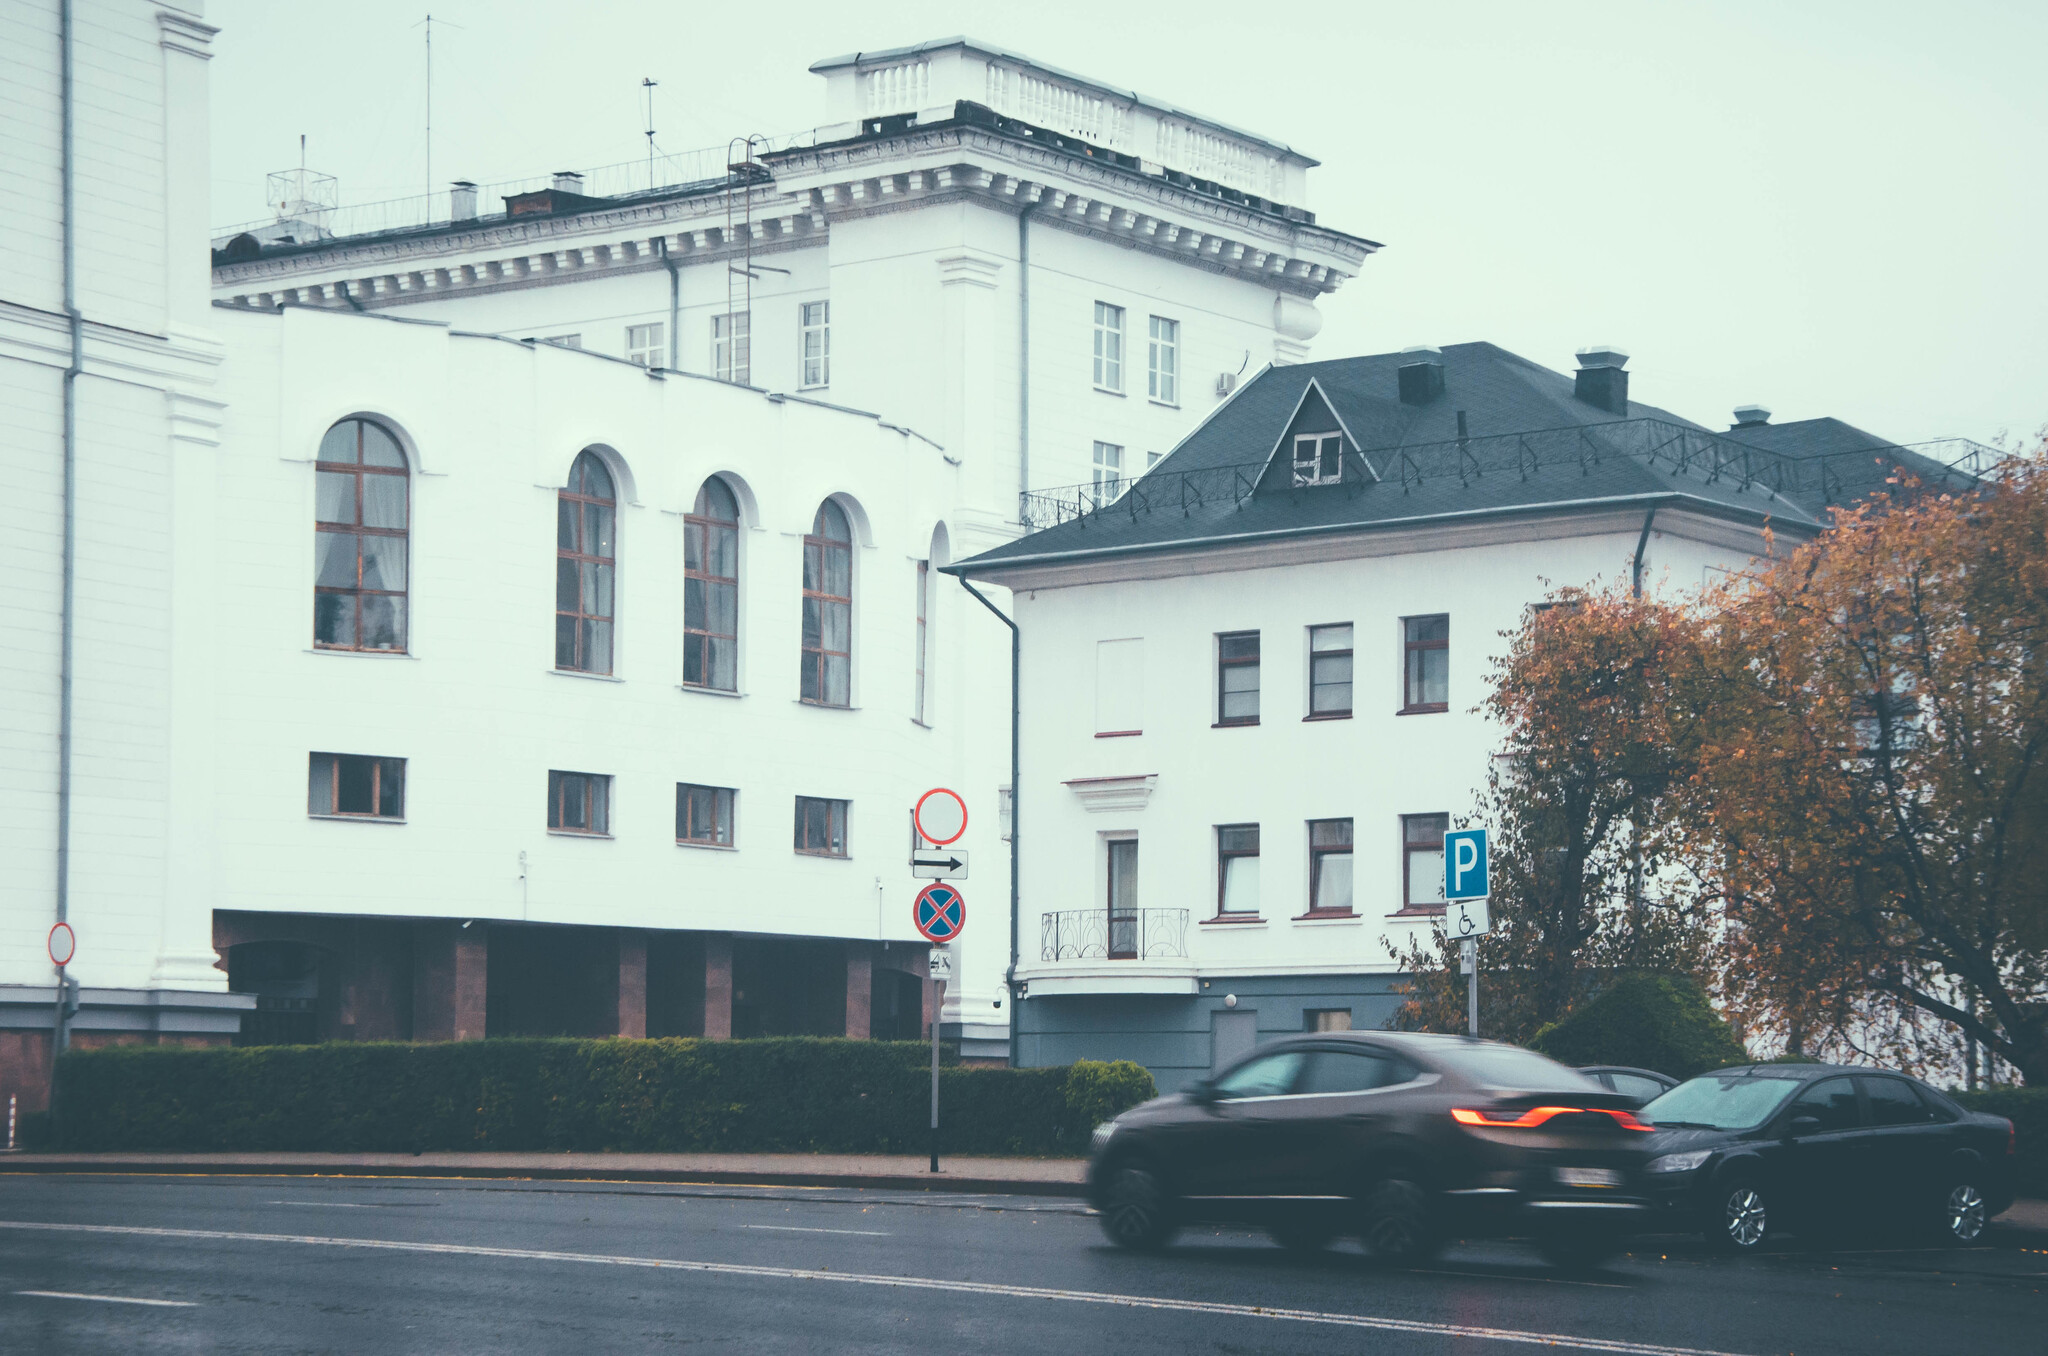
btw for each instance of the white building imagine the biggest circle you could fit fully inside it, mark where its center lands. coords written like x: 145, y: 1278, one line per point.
x: 341, y: 738
x: 1249, y: 686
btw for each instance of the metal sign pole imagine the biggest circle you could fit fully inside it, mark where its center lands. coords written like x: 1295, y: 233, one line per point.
x: 1471, y: 948
x: 938, y: 1003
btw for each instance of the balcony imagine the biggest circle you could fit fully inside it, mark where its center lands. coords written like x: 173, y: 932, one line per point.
x: 1098, y: 935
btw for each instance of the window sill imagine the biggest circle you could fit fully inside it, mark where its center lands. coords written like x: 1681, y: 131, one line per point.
x: 823, y: 856
x: 1163, y: 404
x: 578, y: 833
x: 825, y: 706
x: 1435, y: 709
x: 357, y: 819
x: 361, y: 654
x: 707, y: 847
x: 1231, y: 724
x: 1313, y: 917
x: 1233, y: 920
x: 1110, y: 390
x: 1417, y: 913
x: 707, y: 691
x: 1118, y: 734
x: 1328, y: 715
x: 920, y: 724
x: 593, y: 677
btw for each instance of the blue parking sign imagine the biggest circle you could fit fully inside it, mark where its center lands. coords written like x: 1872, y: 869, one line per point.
x: 1465, y: 864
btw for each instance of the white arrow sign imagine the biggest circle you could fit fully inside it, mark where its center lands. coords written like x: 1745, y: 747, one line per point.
x: 939, y: 864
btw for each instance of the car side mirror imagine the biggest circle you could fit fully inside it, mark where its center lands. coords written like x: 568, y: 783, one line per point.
x: 1204, y: 1093
x: 1803, y: 1125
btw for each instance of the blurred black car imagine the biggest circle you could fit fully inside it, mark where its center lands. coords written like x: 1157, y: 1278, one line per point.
x: 1402, y: 1139
x: 1743, y: 1152
x: 1644, y: 1085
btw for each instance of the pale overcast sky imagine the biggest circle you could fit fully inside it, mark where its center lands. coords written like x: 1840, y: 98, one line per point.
x: 1828, y: 208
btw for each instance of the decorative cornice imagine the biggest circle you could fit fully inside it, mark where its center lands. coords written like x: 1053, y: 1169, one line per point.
x: 1101, y: 795
x: 183, y: 33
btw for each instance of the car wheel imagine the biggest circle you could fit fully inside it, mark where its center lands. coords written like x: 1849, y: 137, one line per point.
x: 1741, y: 1217
x: 1303, y: 1236
x: 1578, y: 1249
x: 1397, y: 1226
x: 1136, y: 1213
x: 1964, y: 1211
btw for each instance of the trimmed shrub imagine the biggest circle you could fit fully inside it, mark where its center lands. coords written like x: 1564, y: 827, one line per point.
x: 1658, y: 1022
x: 670, y: 1095
x: 2027, y: 1109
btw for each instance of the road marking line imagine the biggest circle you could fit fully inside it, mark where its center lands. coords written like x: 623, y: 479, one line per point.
x: 327, y: 1205
x: 1510, y: 1276
x: 1339, y: 1320
x: 799, y: 1229
x: 109, y: 1299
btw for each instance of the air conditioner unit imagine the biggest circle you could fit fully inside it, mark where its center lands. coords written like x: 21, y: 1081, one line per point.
x: 1226, y: 382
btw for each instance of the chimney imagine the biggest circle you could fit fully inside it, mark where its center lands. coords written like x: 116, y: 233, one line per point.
x: 1749, y: 416
x: 1600, y: 380
x: 1422, y: 374
x: 462, y: 201
x: 568, y: 181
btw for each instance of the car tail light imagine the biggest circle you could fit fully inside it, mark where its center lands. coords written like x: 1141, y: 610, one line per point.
x: 2012, y: 1139
x: 1535, y: 1116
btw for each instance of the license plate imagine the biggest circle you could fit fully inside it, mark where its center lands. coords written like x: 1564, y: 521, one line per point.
x: 1589, y: 1177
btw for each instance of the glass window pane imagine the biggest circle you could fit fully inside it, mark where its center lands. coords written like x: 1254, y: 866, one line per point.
x: 600, y: 805
x: 1123, y: 875
x: 693, y: 546
x: 839, y: 573
x: 693, y: 604
x: 725, y: 609
x: 334, y: 619
x: 597, y: 646
x: 812, y: 628
x: 1241, y: 885
x: 1333, y: 1071
x: 565, y: 524
x: 724, y: 664
x: 725, y: 553
x: 334, y: 559
x: 1436, y: 677
x: 383, y: 620
x: 1894, y: 1103
x: 384, y: 501
x: 340, y: 443
x: 379, y: 447
x: 391, y: 789
x: 1241, y: 678
x: 353, y: 792
x: 566, y: 591
x: 384, y: 563
x: 1333, y: 881
x: 1429, y: 628
x: 694, y: 648
x: 334, y: 497
x: 1240, y: 838
x: 1426, y: 830
x: 320, y: 783
x: 1330, y: 833
x: 597, y: 530
x: 1266, y: 1076
x: 1426, y: 878
x: 1330, y: 638
x: 1330, y: 699
x: 838, y: 626
x: 597, y: 589
x: 1832, y: 1102
x: 575, y: 813
x: 838, y: 685
x: 1241, y: 705
x: 565, y: 642
x: 1239, y: 647
x: 810, y: 688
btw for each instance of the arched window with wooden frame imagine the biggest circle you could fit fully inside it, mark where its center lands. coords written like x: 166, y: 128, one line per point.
x: 586, y: 565
x: 828, y: 609
x: 711, y: 589
x: 362, y: 517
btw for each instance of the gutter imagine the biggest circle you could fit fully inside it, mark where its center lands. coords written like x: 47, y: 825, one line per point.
x: 60, y: 1032
x: 1016, y: 801
x: 675, y: 303
x: 1635, y: 565
x: 1023, y: 378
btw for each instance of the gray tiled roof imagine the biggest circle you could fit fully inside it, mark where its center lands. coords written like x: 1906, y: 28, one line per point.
x: 1530, y: 446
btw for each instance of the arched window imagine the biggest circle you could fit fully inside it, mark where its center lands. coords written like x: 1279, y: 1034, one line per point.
x: 362, y: 510
x: 828, y: 609
x: 711, y: 589
x: 585, y: 521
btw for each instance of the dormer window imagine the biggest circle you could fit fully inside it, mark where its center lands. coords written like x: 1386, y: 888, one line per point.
x: 1318, y: 458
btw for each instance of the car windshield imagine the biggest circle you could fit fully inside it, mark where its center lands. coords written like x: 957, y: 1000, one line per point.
x: 1723, y: 1102
x: 1508, y: 1066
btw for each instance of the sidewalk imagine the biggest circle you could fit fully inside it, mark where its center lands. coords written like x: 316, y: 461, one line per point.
x: 894, y: 1172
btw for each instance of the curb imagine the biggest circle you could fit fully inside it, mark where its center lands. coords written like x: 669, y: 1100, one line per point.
x: 990, y: 1186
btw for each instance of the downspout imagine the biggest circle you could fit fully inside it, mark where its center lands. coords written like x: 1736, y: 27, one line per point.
x: 1023, y: 393
x: 1636, y: 565
x: 59, y: 1030
x: 1016, y: 803
x: 675, y: 307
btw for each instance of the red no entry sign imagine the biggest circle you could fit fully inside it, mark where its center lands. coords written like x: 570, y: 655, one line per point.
x: 63, y: 944
x: 939, y: 912
x: 941, y: 816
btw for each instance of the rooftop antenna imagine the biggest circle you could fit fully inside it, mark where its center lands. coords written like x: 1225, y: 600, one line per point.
x: 649, y: 85
x: 428, y: 23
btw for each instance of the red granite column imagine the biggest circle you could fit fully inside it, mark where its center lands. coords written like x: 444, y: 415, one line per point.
x: 860, y: 990
x: 632, y: 983
x: 718, y: 986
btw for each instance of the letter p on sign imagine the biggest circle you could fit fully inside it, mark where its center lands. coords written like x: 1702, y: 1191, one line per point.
x: 1465, y: 864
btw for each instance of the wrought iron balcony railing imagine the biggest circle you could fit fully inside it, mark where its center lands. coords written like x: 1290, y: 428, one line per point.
x: 1098, y: 934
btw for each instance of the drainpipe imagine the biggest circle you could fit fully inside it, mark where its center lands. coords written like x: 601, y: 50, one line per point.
x: 1023, y: 395
x: 675, y: 308
x: 1016, y: 813
x: 60, y: 1025
x: 1636, y: 565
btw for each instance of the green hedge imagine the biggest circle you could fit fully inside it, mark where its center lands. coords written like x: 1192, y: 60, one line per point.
x: 2027, y: 1109
x: 791, y: 1095
x: 1648, y: 1022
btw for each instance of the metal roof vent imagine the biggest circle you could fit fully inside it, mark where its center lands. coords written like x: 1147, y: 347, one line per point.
x: 1750, y: 415
x: 1421, y: 374
x: 1600, y: 380
x: 462, y: 201
x: 569, y: 181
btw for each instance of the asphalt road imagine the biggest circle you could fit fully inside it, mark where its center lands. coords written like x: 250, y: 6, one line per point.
x: 214, y: 1264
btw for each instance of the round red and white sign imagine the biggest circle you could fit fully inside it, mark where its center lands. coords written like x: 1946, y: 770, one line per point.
x: 63, y: 944
x: 941, y: 816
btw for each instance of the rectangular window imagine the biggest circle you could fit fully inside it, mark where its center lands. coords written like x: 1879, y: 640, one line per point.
x: 820, y: 827
x: 1237, y: 678
x: 1237, y: 870
x: 1422, y: 862
x: 579, y: 802
x: 1109, y: 347
x: 363, y: 788
x: 576, y: 340
x: 643, y: 345
x: 1329, y: 866
x: 924, y: 591
x: 1326, y: 1019
x: 1318, y: 458
x: 1329, y: 672
x: 704, y: 815
x: 1108, y: 472
x: 1426, y: 663
x: 814, y: 321
x: 1119, y: 687
x: 1123, y: 898
x: 1162, y: 361
x: 731, y: 347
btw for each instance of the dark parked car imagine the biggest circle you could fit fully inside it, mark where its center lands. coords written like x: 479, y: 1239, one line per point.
x: 1743, y: 1152
x: 1644, y: 1085
x: 1402, y: 1139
